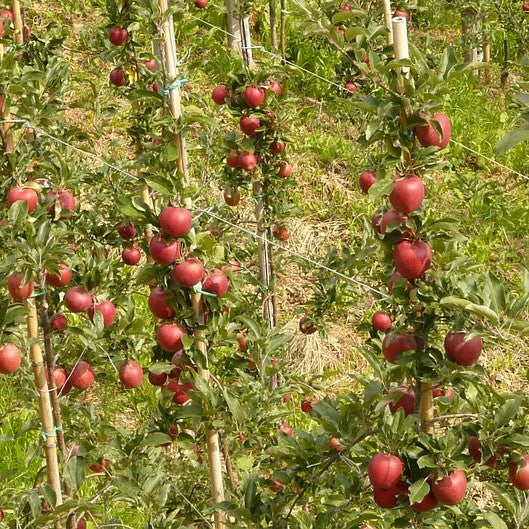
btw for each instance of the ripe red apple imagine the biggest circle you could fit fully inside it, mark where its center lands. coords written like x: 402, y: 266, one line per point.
x: 285, y: 170
x: 306, y: 327
x: 334, y: 444
x: 247, y: 161
x: 131, y: 255
x: 429, y: 503
x: 77, y: 299
x: 220, y: 93
x: 474, y: 449
x: 201, y: 4
x: 381, y: 321
x: 351, y: 87
x: 60, y: 376
x: 172, y: 431
x: 131, y: 374
x: 232, y: 159
x: 231, y: 196
x: 1, y: 511
x: 150, y: 64
x: 254, y: 96
x: 461, y: 351
x: 106, y: 309
x: 286, y: 429
x: 158, y: 303
x: 428, y: 135
x: 439, y: 392
x: 451, y: 489
x: 127, y: 231
x: 525, y: 7
x: 519, y: 474
x: 395, y: 278
x: 391, y: 217
x: 281, y: 233
x: 82, y: 375
x: 157, y: 379
x: 366, y: 180
x: 406, y: 402
x: 170, y: 336
x: 117, y: 35
x: 275, y: 86
x: 10, y: 358
x: 163, y: 251
x: 100, y: 467
x: 389, y: 498
x: 394, y: 344
x: 278, y: 146
x: 217, y: 283
x: 65, y: 200
x: 19, y: 290
x: 249, y: 125
x: 306, y: 406
x: 26, y: 194
x: 407, y: 194
x: 402, y: 13
x: 7, y: 14
x: 385, y: 470
x: 344, y: 6
x: 412, y: 258
x: 58, y: 321
x: 276, y: 486
x: 81, y: 523
x: 60, y: 279
x: 117, y: 77
x: 176, y: 222
x: 188, y: 273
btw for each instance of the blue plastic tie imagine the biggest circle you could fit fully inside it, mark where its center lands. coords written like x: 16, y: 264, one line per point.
x: 198, y: 289
x: 177, y: 84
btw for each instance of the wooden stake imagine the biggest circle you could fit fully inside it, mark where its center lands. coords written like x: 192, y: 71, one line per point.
x: 386, y: 5
x: 19, y: 27
x: 273, y: 24
x: 486, y: 48
x: 233, y: 26
x: 427, y: 409
x: 46, y: 415
x: 283, y: 30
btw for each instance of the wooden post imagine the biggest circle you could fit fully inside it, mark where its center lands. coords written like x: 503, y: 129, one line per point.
x: 273, y: 24
x: 233, y: 26
x: 17, y: 16
x: 426, y: 408
x: 386, y: 5
x: 46, y: 414
x: 486, y: 48
x: 283, y: 30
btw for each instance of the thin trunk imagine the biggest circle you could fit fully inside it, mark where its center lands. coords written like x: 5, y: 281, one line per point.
x: 283, y: 30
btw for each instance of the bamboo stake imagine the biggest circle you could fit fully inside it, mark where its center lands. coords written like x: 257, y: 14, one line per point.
x: 486, y: 48
x: 283, y: 30
x: 427, y: 409
x: 273, y: 24
x: 46, y: 415
x: 386, y: 5
x: 19, y: 28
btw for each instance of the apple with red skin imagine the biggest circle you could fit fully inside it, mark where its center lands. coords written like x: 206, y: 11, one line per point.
x: 406, y: 402
x: 58, y: 322
x: 344, y: 6
x: 366, y: 180
x: 334, y: 444
x: 381, y: 321
x: 10, y: 358
x: 306, y: 406
x: 19, y: 290
x: 391, y: 217
x: 189, y: 273
x: 172, y: 431
x: 118, y: 35
x: 81, y: 523
x: 100, y: 467
x: 77, y: 299
x: 278, y: 146
x: 351, y: 87
x: 306, y: 327
x: 286, y: 429
x: 61, y: 279
x: 407, y: 194
x: 157, y: 379
x: 151, y: 64
x: 201, y: 4
x: 158, y: 303
x: 247, y: 161
x: 428, y: 135
x: 412, y: 258
x: 60, y: 376
x: 281, y: 233
x: 242, y: 341
x: 275, y: 87
x: 7, y: 14
x: 127, y: 231
x: 220, y: 93
x: 117, y: 77
x: 402, y: 13
x: 82, y: 375
x: 1, y: 515
x: 131, y: 255
x: 175, y: 221
x: 385, y: 470
x: 232, y: 160
x: 170, y: 336
x: 254, y: 96
x: 66, y: 202
x: 231, y: 196
x: 474, y: 449
x: 461, y: 351
x: 249, y: 125
x: 519, y: 473
x: 276, y: 486
x: 106, y: 309
x: 428, y: 503
x: 164, y: 252
x: 439, y: 392
x: 131, y: 374
x: 285, y: 170
x: 525, y: 7
x: 25, y: 194
x: 451, y: 489
x: 389, y: 498
x: 217, y: 283
x: 395, y: 278
x: 394, y: 344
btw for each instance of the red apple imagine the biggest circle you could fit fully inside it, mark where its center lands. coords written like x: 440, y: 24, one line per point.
x: 131, y: 255
x: 10, y: 358
x: 394, y: 344
x: 151, y: 64
x: 286, y: 429
x: 157, y: 379
x: 306, y: 327
x: 461, y: 351
x: 306, y: 406
x: 131, y: 374
x: 334, y: 444
x: 77, y: 299
x: 117, y: 77
x: 391, y: 217
x: 232, y: 159
x: 65, y: 200
x: 249, y: 125
x: 172, y: 431
x: 276, y: 486
x: 351, y: 87
x: 100, y: 467
x: 519, y: 473
x: 188, y: 273
x: 254, y: 96
x: 25, y: 194
x: 474, y: 449
x: 7, y: 14
x: 58, y: 321
x: 385, y: 470
x: 451, y: 489
x: 278, y: 146
x: 217, y: 283
x: 402, y: 13
x: 60, y: 375
x: 81, y: 523
x: 389, y: 498
x: 406, y: 402
x: 127, y: 231
x: 344, y: 6
x: 201, y: 4
x: 281, y: 233
x: 367, y: 179
x: 381, y: 321
x: 158, y: 303
x: 82, y: 375
x: 285, y: 170
x: 428, y: 135
x: 397, y: 277
x: 247, y: 161
x: 275, y: 86
x: 163, y: 251
x: 117, y: 35
x: 412, y: 258
x: 525, y: 7
x: 61, y: 279
x: 429, y: 503
x: 220, y: 94
x: 231, y: 196
x: 19, y: 290
x: 176, y: 222
x: 407, y: 194
x: 439, y: 392
x: 106, y: 309
x: 170, y: 336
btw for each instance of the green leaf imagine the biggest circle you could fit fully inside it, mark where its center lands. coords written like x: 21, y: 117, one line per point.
x: 483, y: 312
x: 419, y: 490
x: 235, y: 407
x: 73, y: 473
x: 381, y: 188
x: 17, y: 214
x: 511, y: 139
x: 250, y: 494
x: 495, y: 521
x: 519, y: 439
x: 155, y: 439
x: 507, y: 412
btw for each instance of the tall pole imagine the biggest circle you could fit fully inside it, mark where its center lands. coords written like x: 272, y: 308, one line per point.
x: 386, y: 5
x: 273, y: 24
